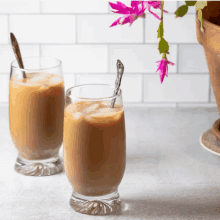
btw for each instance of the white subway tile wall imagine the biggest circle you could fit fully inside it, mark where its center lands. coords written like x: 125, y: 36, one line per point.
x: 69, y: 80
x: 79, y: 33
x: 177, y: 88
x: 85, y: 6
x: 131, y: 84
x: 95, y: 29
x: 7, y: 55
x: 139, y: 58
x: 192, y: 59
x: 20, y: 7
x: 44, y: 28
x: 79, y: 58
x: 4, y: 29
x: 4, y: 86
x: 180, y: 30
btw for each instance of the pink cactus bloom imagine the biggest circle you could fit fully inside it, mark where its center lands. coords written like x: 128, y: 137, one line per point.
x: 136, y: 10
x: 130, y: 13
x: 154, y: 4
x: 163, y: 68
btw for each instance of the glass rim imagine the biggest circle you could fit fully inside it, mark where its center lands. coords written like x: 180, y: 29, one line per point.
x: 94, y: 99
x: 24, y: 69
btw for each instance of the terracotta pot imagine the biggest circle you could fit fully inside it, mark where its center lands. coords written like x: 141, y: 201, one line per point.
x: 210, y: 40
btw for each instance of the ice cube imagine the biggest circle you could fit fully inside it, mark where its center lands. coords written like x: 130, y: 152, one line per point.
x: 72, y: 108
x: 104, y: 112
x: 91, y: 108
x: 78, y: 116
x: 106, y: 103
x: 104, y: 116
x: 38, y: 78
x: 18, y: 77
x: 44, y: 85
x: 55, y: 79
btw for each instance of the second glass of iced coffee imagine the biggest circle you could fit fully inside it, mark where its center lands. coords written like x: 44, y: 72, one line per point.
x: 36, y: 111
x: 94, y: 147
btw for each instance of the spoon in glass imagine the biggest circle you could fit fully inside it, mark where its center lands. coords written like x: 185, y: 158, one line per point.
x: 17, y: 52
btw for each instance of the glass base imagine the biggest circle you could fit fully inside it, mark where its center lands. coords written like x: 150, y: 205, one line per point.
x: 38, y: 167
x: 100, y: 205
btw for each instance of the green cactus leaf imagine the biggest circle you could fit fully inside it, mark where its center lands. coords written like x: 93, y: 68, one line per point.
x: 163, y: 46
x: 181, y: 11
x: 190, y: 3
x: 160, y: 30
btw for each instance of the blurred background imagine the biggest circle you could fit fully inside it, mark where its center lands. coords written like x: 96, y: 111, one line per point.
x: 78, y: 33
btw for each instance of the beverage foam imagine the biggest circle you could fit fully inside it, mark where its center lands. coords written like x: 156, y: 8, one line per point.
x: 55, y: 79
x: 38, y: 79
x: 94, y: 112
x: 91, y: 108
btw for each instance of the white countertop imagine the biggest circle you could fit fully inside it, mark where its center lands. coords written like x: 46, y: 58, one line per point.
x: 168, y: 174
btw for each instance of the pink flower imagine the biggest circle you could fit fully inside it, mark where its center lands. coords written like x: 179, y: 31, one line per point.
x: 163, y: 68
x: 130, y: 13
x: 136, y: 10
x: 154, y: 4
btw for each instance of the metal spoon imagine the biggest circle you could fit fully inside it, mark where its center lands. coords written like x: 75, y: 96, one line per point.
x: 120, y: 71
x: 16, y: 49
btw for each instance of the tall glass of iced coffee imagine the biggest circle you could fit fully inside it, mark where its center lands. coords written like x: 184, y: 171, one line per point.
x: 94, y: 147
x: 36, y: 111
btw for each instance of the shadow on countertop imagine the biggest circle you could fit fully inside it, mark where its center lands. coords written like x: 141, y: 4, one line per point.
x: 168, y: 208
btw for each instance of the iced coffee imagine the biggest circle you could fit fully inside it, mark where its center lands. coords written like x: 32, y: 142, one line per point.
x: 94, y: 147
x: 94, y: 151
x: 36, y: 111
x: 36, y: 115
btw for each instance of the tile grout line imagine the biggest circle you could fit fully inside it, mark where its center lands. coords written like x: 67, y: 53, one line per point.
x: 76, y: 29
x: 177, y: 58
x: 9, y: 27
x: 144, y: 30
x: 40, y: 50
x: 41, y: 7
x: 75, y: 77
x: 129, y: 73
x: 177, y: 55
x: 142, y: 75
x: 59, y: 14
x: 104, y: 43
x: 108, y: 57
x: 79, y: 13
x: 109, y: 9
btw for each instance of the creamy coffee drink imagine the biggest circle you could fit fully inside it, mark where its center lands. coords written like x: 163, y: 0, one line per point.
x: 36, y: 110
x: 94, y: 147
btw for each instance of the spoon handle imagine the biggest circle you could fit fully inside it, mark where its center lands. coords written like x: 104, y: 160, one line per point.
x: 120, y: 71
x: 17, y: 52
